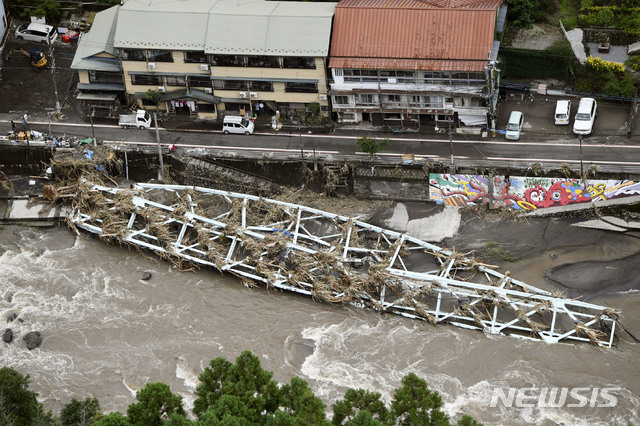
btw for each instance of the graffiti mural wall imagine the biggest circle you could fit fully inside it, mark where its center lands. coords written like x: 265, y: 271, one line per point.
x: 524, y: 193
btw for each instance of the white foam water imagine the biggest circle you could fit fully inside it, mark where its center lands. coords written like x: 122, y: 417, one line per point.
x: 107, y: 334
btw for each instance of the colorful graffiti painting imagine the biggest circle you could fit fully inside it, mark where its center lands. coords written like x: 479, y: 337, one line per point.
x: 524, y: 193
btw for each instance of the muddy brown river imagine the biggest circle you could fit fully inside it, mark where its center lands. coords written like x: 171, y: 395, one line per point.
x: 107, y: 332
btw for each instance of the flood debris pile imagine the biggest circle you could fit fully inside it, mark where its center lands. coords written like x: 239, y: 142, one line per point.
x: 332, y: 258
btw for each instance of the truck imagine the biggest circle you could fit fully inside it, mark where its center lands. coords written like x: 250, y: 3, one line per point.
x: 141, y: 119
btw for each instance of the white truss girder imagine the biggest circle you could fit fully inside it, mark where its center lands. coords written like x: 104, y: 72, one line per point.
x: 352, y: 261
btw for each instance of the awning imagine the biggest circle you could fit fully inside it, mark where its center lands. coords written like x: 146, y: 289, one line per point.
x: 473, y: 120
x: 278, y: 80
x: 99, y: 97
x: 103, y: 87
x: 196, y: 94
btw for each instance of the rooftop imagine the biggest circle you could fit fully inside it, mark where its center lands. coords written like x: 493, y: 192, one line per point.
x: 411, y: 34
x: 251, y: 27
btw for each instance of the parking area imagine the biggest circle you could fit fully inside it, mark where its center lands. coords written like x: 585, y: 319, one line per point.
x: 538, y: 110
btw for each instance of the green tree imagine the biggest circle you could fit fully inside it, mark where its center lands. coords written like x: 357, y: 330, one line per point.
x: 155, y: 404
x: 153, y: 96
x: 372, y: 145
x: 299, y: 401
x: 80, y: 413
x: 245, y: 380
x: 48, y: 9
x: 176, y: 419
x: 113, y: 419
x: 620, y: 85
x: 414, y: 404
x: 18, y: 405
x: 467, y: 420
x: 357, y: 401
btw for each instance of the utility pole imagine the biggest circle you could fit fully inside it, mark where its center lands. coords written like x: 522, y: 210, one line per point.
x: 93, y: 132
x: 161, y: 170
x: 53, y: 74
x: 581, y: 170
x: 301, y: 145
x: 451, y: 143
x: 49, y: 110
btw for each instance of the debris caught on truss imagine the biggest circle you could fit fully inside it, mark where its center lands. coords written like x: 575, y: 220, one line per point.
x: 335, y: 259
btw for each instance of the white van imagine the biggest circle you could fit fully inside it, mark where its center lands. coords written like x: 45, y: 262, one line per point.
x: 563, y: 112
x: 239, y: 125
x: 514, y: 126
x: 586, y: 115
x: 41, y: 33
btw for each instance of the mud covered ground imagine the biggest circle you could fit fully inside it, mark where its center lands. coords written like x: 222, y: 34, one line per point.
x: 28, y: 89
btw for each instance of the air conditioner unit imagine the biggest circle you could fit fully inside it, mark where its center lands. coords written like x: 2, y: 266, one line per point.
x: 254, y: 94
x: 151, y: 65
x: 161, y: 89
x: 208, y: 90
x: 322, y: 97
x: 243, y: 94
x: 204, y: 67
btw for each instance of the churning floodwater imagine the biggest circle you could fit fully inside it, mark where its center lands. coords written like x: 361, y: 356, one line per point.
x: 107, y: 333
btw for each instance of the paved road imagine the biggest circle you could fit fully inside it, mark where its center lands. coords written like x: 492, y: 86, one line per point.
x: 468, y: 151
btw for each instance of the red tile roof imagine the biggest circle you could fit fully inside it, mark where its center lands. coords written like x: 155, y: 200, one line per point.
x: 412, y: 34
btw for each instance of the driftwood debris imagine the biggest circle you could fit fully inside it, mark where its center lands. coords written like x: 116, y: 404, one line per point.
x: 332, y: 258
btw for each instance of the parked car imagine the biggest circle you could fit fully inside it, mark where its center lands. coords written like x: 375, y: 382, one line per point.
x: 563, y: 112
x: 40, y: 33
x: 514, y: 126
x: 236, y: 124
x: 586, y: 115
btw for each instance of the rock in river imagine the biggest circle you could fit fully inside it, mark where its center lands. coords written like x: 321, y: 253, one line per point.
x: 7, y: 336
x: 33, y: 339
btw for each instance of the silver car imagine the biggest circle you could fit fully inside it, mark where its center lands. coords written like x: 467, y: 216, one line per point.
x: 40, y: 33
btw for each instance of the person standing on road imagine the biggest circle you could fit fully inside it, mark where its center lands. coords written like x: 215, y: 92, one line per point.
x: 13, y: 127
x: 24, y: 119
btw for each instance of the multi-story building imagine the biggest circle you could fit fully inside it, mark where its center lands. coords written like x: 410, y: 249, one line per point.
x: 415, y: 62
x: 198, y: 57
x: 100, y: 78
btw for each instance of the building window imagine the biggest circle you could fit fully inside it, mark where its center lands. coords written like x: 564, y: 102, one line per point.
x: 299, y: 62
x: 132, y: 55
x: 341, y: 100
x: 105, y: 77
x: 176, y: 80
x: 263, y: 61
x: 160, y: 56
x: 392, y: 99
x: 261, y: 86
x: 146, y: 80
x: 195, y: 57
x: 361, y: 75
x: 228, y: 60
x: 230, y: 84
x: 202, y: 107
x: 297, y: 87
x: 200, y: 81
x: 367, y: 99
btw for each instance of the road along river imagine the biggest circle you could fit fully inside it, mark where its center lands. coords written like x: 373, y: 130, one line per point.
x: 107, y: 332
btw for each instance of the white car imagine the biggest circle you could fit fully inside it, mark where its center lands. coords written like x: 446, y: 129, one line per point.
x: 514, y: 126
x: 563, y: 112
x: 586, y: 115
x: 40, y: 33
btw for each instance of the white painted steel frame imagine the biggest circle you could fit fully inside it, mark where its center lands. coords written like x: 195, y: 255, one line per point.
x: 458, y: 301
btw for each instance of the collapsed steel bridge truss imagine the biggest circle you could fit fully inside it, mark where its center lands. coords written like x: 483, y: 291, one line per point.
x: 336, y: 259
